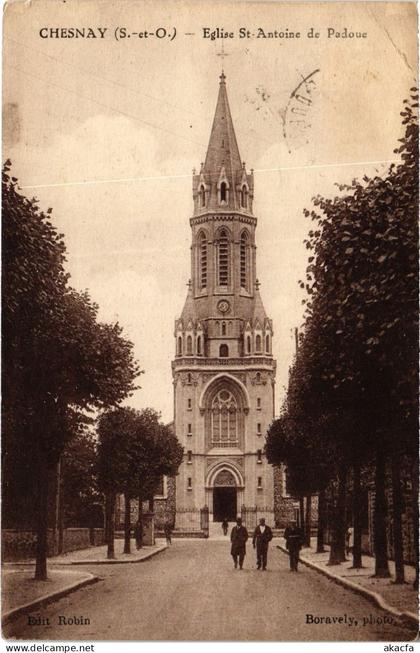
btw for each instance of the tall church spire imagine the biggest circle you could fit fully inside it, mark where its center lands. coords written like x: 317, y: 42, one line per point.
x: 223, y: 148
x: 223, y: 370
x: 223, y: 182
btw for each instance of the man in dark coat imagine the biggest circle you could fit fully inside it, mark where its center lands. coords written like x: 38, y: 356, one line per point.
x: 238, y: 537
x: 262, y: 536
x: 294, y: 538
x: 168, y: 531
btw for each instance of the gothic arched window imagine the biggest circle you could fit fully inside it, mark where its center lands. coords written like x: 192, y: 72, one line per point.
x: 223, y: 328
x: 258, y: 343
x: 244, y: 196
x: 223, y: 259
x: 248, y: 344
x: 267, y: 344
x: 189, y: 345
x: 202, y: 196
x: 199, y: 345
x: 244, y: 260
x: 224, y: 420
x: 202, y: 256
x: 179, y: 346
x: 224, y: 351
x: 223, y: 191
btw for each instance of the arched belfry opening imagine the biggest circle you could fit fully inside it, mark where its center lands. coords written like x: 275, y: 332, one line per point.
x: 224, y: 496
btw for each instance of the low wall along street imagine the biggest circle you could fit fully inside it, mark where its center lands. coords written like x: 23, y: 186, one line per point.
x: 21, y: 544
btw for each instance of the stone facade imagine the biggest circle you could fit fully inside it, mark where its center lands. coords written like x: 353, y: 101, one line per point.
x: 163, y: 506
x: 286, y: 508
x: 223, y: 371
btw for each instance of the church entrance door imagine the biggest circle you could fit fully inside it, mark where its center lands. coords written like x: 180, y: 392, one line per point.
x: 224, y: 503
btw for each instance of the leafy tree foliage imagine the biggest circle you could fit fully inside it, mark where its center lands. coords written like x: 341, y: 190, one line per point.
x: 135, y: 449
x: 57, y: 358
x: 353, y: 388
x: 80, y: 497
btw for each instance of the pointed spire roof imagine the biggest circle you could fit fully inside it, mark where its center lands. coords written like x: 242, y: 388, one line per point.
x: 259, y: 310
x: 188, y: 312
x: 223, y: 151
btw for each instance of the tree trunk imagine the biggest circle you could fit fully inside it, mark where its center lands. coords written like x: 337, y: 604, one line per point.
x: 335, y: 556
x: 341, y: 515
x: 302, y: 514
x: 56, y: 526
x: 127, y: 524
x: 415, y: 514
x: 334, y: 527
x: 357, y: 518
x: 308, y: 520
x: 110, y: 521
x: 139, y: 529
x: 379, y: 519
x: 397, y: 520
x: 42, y: 522
x: 106, y: 522
x: 321, y: 522
x: 61, y: 524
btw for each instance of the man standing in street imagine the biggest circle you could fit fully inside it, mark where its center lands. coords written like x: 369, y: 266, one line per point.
x: 238, y: 538
x: 262, y: 536
x: 294, y: 538
x: 168, y: 531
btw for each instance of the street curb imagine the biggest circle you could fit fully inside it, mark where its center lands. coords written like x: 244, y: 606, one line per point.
x: 368, y: 594
x: 101, y: 561
x: 149, y: 555
x: 48, y: 598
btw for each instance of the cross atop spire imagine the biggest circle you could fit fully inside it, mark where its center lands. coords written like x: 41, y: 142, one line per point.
x: 222, y: 54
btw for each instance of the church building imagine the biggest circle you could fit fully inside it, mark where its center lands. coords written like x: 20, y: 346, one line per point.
x: 223, y: 371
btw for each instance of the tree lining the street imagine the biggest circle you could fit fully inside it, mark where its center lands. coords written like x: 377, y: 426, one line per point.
x: 134, y: 451
x: 356, y: 367
x: 59, y: 361
x: 80, y: 499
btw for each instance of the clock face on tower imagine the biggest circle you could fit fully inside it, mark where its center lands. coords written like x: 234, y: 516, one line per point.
x: 223, y: 306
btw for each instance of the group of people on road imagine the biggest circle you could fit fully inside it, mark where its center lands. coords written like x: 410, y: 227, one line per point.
x: 260, y: 540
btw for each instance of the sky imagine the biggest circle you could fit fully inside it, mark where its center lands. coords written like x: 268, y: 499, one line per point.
x: 107, y: 133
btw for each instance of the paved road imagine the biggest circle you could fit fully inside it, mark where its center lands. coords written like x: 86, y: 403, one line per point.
x: 192, y: 592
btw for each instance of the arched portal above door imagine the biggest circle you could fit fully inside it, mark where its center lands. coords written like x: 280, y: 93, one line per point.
x: 224, y: 478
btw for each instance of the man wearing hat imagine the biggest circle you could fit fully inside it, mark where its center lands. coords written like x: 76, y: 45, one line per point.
x: 262, y: 536
x: 238, y: 538
x: 294, y: 538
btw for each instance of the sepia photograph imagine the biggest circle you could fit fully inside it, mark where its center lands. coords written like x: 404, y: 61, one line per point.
x: 210, y: 321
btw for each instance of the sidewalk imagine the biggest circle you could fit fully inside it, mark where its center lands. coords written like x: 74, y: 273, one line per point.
x: 400, y: 600
x: 96, y: 555
x: 21, y: 593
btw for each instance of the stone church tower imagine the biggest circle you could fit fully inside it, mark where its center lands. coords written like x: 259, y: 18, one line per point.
x: 223, y: 371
